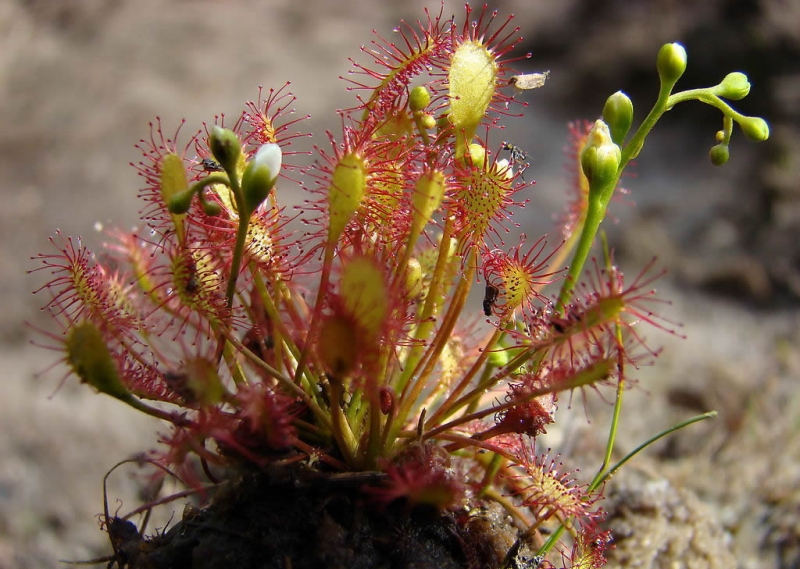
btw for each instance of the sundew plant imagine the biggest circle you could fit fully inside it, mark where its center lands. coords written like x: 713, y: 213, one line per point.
x: 337, y: 334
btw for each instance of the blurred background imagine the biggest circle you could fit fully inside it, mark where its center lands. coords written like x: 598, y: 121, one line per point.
x: 81, y: 79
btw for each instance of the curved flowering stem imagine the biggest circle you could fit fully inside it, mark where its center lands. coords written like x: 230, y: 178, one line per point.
x: 605, y: 155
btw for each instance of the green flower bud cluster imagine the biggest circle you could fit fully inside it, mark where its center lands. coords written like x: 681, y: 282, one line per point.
x: 735, y: 86
x: 606, y: 152
x: 257, y: 180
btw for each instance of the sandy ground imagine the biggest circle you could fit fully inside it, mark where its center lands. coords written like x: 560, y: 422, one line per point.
x: 79, y: 81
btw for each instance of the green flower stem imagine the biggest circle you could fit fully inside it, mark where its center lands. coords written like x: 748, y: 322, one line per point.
x: 727, y: 129
x: 706, y: 96
x: 281, y: 336
x: 423, y: 132
x: 238, y: 249
x: 432, y: 304
x: 596, y: 210
x: 636, y: 143
x: 327, y: 264
x: 238, y: 252
x: 210, y: 180
x: 595, y: 213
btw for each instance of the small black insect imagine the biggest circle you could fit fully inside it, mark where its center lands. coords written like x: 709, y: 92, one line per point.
x: 517, y: 156
x: 192, y: 286
x: 188, y: 274
x: 515, y: 152
x: 211, y: 165
x: 489, y: 298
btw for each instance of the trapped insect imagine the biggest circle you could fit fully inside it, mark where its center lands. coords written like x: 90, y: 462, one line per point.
x: 516, y: 156
x: 529, y: 81
x: 211, y: 165
x: 515, y: 152
x: 489, y: 298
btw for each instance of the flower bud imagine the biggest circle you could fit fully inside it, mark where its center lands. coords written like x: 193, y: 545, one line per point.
x: 671, y: 62
x: 618, y: 115
x: 735, y: 86
x: 755, y: 128
x: 225, y: 147
x: 260, y: 175
x: 428, y: 121
x: 719, y: 154
x: 419, y: 98
x: 92, y: 362
x: 600, y: 157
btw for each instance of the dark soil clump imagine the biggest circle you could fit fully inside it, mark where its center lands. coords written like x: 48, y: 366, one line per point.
x: 257, y: 523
